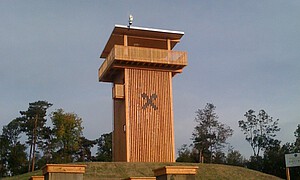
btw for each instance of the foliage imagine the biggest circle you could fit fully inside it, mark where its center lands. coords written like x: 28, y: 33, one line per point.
x: 255, y: 163
x: 104, y: 151
x: 235, y: 158
x: 84, y: 152
x: 259, y: 130
x: 273, y: 160
x: 62, y: 142
x: 48, y: 147
x: 297, y: 142
x: 13, y: 155
x: 185, y: 154
x: 219, y: 157
x: 3, y: 156
x: 17, y: 159
x: 33, y: 124
x: 67, y: 132
x: 295, y: 172
x: 209, y: 135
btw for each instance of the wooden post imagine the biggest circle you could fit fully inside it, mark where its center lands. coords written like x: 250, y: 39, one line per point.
x: 288, y: 173
x: 168, y: 44
x: 125, y: 45
x: 125, y: 40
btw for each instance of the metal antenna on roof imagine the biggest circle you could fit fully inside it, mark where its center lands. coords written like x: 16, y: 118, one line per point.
x: 130, y: 21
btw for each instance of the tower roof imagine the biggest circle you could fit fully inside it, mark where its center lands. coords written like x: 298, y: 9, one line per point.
x: 141, y: 37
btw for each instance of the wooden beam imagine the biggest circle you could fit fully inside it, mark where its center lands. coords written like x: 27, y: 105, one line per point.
x: 149, y: 38
x: 127, y: 153
x: 125, y: 40
x: 172, y: 116
x: 148, y: 68
x: 168, y: 44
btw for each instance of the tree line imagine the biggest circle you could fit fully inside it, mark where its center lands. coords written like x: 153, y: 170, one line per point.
x: 209, y: 142
x: 30, y: 141
x: 60, y: 142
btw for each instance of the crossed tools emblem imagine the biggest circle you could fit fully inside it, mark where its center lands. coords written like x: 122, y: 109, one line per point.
x: 149, y: 101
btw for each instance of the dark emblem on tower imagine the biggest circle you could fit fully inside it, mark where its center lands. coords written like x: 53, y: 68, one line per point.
x: 150, y: 100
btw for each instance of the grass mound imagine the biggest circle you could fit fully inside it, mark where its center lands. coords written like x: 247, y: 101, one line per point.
x: 119, y: 170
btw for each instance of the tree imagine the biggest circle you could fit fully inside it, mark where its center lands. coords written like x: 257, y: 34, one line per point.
x: 33, y: 124
x: 297, y: 135
x: 209, y: 135
x: 255, y: 163
x: 295, y: 172
x: 259, y: 130
x: 4, y: 145
x: 67, y: 131
x: 17, y: 159
x: 273, y: 160
x: 219, y: 157
x: 234, y: 158
x: 84, y: 152
x: 185, y: 154
x: 47, y: 146
x: 104, y: 151
x: 13, y: 155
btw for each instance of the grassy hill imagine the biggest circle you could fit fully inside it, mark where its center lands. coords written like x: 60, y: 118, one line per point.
x: 118, y: 170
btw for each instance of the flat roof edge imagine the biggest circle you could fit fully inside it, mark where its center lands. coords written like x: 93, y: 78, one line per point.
x: 150, y: 29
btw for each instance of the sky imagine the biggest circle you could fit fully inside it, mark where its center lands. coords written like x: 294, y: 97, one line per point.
x: 241, y: 55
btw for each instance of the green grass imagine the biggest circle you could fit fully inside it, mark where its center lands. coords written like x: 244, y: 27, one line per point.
x: 119, y: 170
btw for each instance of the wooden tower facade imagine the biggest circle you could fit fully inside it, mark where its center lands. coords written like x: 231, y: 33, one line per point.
x: 140, y: 63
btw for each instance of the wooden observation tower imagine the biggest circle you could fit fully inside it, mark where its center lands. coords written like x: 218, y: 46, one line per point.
x: 140, y: 63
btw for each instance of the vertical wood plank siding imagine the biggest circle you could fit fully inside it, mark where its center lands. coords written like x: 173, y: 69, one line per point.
x: 150, y: 131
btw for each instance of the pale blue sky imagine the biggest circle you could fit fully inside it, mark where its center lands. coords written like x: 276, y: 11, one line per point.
x: 242, y: 54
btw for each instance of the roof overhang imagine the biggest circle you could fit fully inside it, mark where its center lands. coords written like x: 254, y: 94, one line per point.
x: 140, y: 36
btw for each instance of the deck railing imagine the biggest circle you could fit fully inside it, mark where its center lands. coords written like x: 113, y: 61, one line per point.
x: 141, y: 54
